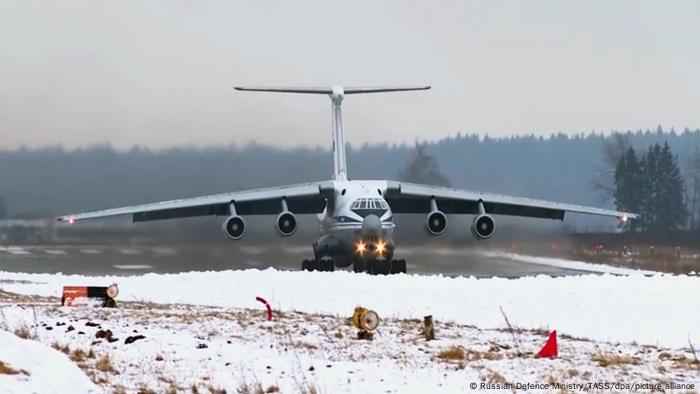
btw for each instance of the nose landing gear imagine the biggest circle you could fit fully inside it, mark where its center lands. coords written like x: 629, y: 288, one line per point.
x: 381, y: 267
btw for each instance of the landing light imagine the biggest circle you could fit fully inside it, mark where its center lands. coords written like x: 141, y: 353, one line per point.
x: 623, y: 218
x: 361, y: 247
x: 71, y: 220
x: 381, y: 246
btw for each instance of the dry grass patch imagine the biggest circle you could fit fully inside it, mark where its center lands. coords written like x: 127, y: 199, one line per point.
x: 306, y: 345
x: 119, y: 390
x: 61, y: 348
x: 495, y: 377
x: 24, y: 332
x: 5, y: 369
x: 458, y: 353
x: 453, y: 353
x: 80, y: 355
x: 680, y: 361
x: 215, y: 390
x: 104, y: 364
x: 613, y: 360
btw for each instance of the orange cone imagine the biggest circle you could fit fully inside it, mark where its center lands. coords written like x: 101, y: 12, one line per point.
x: 549, y: 349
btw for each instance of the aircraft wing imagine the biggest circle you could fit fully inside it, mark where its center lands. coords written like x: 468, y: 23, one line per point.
x: 406, y: 197
x: 302, y: 198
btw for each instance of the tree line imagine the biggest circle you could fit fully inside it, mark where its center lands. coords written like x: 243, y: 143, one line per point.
x: 44, y: 182
x: 651, y: 185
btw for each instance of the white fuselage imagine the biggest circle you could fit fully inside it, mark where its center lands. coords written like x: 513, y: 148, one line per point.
x: 355, y: 222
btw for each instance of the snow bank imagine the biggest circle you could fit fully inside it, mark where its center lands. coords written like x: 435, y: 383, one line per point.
x: 43, y: 370
x: 657, y: 310
x: 568, y: 264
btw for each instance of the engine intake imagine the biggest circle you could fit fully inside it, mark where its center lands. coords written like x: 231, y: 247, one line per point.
x: 436, y: 222
x: 286, y: 223
x: 234, y: 227
x: 483, y: 227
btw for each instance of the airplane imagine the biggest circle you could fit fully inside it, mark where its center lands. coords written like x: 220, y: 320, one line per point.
x: 355, y: 216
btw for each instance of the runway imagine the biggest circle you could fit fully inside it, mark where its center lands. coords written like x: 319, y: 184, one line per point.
x: 140, y: 259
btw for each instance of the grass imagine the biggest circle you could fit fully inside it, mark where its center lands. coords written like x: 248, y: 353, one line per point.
x: 61, y: 348
x: 680, y: 361
x: 453, y: 353
x: 24, y: 332
x: 495, y: 377
x: 104, y: 364
x: 80, y: 356
x: 613, y: 360
x: 458, y: 353
x: 5, y: 369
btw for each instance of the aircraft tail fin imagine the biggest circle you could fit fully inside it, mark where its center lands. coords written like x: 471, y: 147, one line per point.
x: 336, y: 93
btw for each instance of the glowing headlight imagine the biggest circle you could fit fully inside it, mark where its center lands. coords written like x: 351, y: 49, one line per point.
x: 361, y: 247
x: 381, y: 247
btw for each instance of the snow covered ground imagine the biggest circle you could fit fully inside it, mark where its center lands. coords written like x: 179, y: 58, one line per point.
x: 28, y: 366
x: 205, y: 329
x: 653, y: 310
x: 568, y: 264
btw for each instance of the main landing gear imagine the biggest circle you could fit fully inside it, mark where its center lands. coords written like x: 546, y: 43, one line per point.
x: 382, y: 267
x: 372, y: 267
x: 320, y: 265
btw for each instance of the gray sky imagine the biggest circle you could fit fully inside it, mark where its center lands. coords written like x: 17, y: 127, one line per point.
x: 161, y: 73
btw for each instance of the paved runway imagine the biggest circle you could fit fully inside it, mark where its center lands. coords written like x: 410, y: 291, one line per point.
x: 134, y: 260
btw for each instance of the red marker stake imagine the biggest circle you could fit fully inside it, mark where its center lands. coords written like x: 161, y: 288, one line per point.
x: 550, y: 349
x: 267, y: 306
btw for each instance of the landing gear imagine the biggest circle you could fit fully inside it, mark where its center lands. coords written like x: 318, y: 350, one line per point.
x: 320, y: 265
x: 308, y: 265
x: 383, y: 267
x: 398, y: 266
x: 372, y: 267
x: 326, y: 265
x: 359, y: 266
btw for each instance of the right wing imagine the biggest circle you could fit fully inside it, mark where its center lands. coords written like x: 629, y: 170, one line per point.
x: 302, y: 198
x: 404, y: 197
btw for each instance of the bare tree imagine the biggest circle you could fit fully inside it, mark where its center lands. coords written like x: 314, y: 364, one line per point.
x: 693, y: 190
x: 424, y: 168
x: 603, y: 181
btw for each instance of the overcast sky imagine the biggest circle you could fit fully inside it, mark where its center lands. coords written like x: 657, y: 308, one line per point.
x: 160, y: 73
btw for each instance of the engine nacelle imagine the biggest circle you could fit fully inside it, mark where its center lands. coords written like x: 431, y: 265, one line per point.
x: 234, y: 227
x: 286, y: 223
x: 483, y: 227
x: 436, y: 222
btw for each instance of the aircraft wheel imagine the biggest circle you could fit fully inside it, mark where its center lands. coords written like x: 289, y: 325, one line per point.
x: 359, y: 266
x: 398, y: 266
x: 326, y: 265
x: 308, y: 265
x: 381, y: 267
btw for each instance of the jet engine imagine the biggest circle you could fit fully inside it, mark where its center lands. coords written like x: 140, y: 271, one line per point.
x: 436, y: 222
x: 286, y: 223
x: 483, y: 226
x: 234, y: 227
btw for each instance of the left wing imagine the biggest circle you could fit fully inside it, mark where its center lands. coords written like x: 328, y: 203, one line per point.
x: 406, y: 197
x: 302, y: 198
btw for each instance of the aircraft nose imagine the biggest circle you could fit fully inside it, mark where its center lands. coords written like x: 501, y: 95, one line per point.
x: 371, y: 226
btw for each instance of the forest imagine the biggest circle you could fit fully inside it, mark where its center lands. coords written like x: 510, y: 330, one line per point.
x: 585, y: 168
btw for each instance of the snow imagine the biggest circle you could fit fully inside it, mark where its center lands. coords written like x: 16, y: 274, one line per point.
x: 653, y: 310
x: 40, y: 369
x: 568, y: 264
x: 225, y: 348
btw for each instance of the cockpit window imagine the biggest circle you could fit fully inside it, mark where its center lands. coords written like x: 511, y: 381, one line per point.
x: 369, y: 203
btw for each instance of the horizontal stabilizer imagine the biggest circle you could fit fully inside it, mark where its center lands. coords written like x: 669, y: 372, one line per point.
x: 329, y: 89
